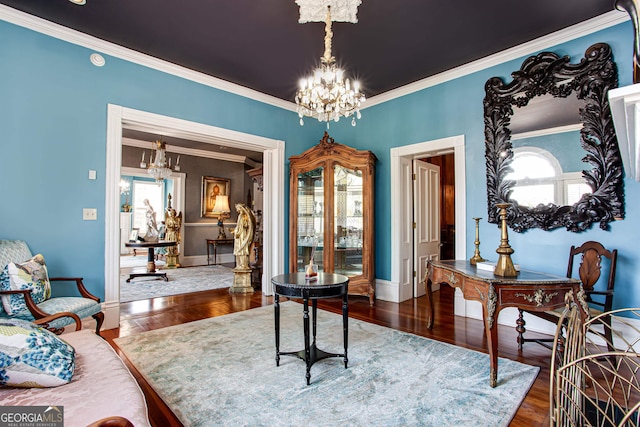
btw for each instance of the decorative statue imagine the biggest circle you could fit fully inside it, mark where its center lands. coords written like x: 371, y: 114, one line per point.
x: 172, y: 223
x: 243, y: 235
x: 152, y: 228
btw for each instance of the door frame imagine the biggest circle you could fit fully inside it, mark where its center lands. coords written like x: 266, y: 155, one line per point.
x: 402, y: 214
x: 119, y: 117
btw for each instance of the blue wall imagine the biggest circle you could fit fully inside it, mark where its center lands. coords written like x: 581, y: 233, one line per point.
x: 455, y: 108
x: 53, y: 111
x: 53, y: 120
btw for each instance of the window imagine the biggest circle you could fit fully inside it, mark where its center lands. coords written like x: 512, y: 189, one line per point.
x: 535, y: 172
x: 540, y: 180
x: 154, y: 193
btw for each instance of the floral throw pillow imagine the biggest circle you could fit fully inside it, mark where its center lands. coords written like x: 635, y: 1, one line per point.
x: 31, y: 356
x: 31, y: 274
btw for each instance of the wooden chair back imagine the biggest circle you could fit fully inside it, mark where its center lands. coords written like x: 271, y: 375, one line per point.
x: 590, y: 269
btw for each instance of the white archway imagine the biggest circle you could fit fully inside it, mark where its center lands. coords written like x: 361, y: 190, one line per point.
x: 119, y: 117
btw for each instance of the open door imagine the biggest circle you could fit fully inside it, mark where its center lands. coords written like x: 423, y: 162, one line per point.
x: 426, y: 215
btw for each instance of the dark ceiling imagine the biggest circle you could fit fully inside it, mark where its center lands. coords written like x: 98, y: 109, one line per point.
x: 259, y: 43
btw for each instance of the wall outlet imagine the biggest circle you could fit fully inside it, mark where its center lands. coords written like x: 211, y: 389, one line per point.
x: 89, y: 214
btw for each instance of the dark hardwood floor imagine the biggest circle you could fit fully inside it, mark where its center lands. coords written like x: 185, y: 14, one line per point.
x: 408, y: 316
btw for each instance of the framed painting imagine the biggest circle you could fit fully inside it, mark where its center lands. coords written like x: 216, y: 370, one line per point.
x: 211, y: 189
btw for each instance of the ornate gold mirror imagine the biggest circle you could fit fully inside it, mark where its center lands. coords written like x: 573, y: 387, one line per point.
x: 580, y: 197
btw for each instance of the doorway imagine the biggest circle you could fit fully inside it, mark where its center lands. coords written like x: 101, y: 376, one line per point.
x: 119, y: 117
x: 402, y: 283
x: 447, y: 192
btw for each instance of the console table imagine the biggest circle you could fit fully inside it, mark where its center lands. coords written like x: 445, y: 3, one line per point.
x: 530, y: 290
x: 151, y: 263
x: 295, y: 285
x: 215, y: 243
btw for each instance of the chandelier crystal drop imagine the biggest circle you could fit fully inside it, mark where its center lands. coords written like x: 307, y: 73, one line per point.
x: 159, y: 165
x: 327, y: 94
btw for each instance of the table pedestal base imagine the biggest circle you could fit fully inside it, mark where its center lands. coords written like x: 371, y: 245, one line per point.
x: 141, y: 272
x: 311, y: 354
x: 315, y: 354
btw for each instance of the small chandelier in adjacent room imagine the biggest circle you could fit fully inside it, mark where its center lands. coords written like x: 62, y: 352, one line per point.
x: 159, y: 164
x: 327, y: 94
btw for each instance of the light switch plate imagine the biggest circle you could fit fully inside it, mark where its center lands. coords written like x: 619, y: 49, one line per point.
x: 92, y: 174
x: 89, y: 214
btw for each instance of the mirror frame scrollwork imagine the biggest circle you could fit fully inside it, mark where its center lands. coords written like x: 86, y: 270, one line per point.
x: 547, y: 73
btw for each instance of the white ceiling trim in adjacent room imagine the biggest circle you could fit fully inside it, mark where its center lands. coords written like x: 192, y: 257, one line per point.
x: 194, y: 152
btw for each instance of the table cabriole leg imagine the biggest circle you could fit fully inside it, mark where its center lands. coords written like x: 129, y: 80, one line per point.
x: 492, y: 343
x: 429, y: 297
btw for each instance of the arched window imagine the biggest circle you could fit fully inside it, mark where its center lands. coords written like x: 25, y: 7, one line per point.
x: 538, y: 175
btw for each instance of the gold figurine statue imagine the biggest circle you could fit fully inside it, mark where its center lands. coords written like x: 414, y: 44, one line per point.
x: 172, y: 223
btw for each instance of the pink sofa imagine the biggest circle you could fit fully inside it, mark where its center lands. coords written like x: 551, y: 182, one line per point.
x: 101, y: 387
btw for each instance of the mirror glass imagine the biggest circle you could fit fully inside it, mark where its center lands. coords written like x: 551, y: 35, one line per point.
x: 545, y: 139
x: 550, y: 146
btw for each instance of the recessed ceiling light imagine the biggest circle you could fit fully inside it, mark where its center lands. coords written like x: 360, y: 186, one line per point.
x: 96, y: 59
x: 80, y: 2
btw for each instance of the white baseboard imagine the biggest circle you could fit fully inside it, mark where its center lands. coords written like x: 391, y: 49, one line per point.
x: 111, y: 310
x: 394, y: 292
x: 387, y: 291
x: 191, y: 261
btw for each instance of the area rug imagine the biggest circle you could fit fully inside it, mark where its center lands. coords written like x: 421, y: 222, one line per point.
x: 221, y: 372
x: 181, y: 281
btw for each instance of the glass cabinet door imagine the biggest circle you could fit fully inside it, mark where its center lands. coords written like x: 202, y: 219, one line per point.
x: 348, y: 221
x: 310, y: 219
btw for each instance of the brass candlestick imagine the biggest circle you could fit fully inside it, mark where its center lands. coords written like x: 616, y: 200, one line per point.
x: 504, y: 266
x: 476, y: 253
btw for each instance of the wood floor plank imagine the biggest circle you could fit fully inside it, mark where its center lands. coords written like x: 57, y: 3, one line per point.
x: 408, y: 316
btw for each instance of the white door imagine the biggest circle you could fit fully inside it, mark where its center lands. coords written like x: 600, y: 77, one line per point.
x: 426, y: 215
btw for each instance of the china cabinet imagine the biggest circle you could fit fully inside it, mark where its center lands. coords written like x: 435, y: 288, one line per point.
x: 332, y: 211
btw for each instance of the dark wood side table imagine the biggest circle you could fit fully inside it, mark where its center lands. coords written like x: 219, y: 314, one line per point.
x: 294, y: 285
x: 530, y: 290
x: 151, y: 264
x: 215, y: 243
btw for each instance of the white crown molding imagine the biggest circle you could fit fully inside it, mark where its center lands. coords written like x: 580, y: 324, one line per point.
x: 582, y: 29
x: 49, y: 28
x: 43, y: 26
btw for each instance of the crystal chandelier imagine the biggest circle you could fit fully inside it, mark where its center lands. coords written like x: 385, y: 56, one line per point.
x: 326, y: 94
x: 159, y: 167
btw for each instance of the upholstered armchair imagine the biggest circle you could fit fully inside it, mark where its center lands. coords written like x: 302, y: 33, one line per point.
x: 25, y: 290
